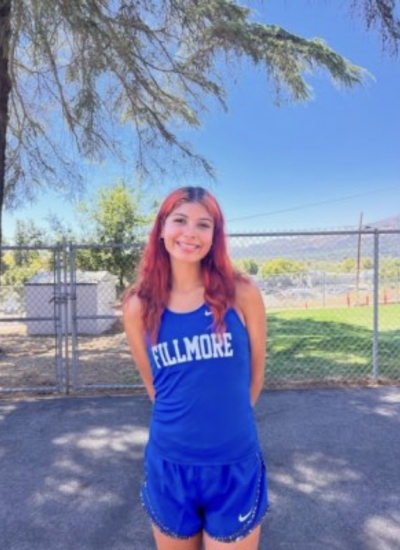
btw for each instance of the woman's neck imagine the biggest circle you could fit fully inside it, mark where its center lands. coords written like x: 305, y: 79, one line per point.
x: 187, y: 279
x: 187, y: 291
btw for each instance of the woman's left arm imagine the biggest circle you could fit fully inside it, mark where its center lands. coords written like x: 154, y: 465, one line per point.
x: 251, y: 305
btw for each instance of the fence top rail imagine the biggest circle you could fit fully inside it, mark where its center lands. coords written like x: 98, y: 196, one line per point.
x: 30, y: 247
x: 139, y: 245
x: 106, y: 245
x: 316, y: 233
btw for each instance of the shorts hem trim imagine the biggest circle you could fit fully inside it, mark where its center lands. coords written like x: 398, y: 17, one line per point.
x: 165, y: 530
x: 235, y: 537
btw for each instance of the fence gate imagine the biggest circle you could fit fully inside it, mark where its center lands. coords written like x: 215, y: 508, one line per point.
x: 100, y: 357
x: 60, y: 330
x: 33, y: 335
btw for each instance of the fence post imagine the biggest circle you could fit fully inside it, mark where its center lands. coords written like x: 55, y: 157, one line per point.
x: 65, y: 315
x: 58, y: 316
x: 375, y: 338
x: 73, y: 317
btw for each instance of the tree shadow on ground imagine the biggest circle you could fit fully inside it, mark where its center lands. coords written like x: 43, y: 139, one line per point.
x: 71, y: 472
x: 72, y: 467
x: 332, y: 457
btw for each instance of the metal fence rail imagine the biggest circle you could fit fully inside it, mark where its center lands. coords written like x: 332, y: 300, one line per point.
x: 333, y: 303
x: 29, y: 363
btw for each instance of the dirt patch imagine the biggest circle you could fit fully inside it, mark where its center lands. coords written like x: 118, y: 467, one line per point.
x: 28, y: 362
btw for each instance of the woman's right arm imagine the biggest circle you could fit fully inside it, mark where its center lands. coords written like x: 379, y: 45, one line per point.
x: 133, y: 325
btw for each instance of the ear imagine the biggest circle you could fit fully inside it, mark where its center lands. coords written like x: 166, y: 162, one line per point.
x: 161, y: 235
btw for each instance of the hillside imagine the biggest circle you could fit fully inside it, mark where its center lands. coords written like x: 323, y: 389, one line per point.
x: 318, y: 246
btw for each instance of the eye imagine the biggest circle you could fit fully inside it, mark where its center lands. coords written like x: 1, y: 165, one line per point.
x: 205, y: 225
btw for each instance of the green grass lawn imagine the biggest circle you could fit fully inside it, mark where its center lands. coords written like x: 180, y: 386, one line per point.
x: 332, y: 344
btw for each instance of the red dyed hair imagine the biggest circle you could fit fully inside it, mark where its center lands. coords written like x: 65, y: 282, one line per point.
x: 153, y: 284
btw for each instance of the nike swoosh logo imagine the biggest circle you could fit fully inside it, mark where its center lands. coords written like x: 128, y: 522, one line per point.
x: 246, y: 516
x: 207, y: 313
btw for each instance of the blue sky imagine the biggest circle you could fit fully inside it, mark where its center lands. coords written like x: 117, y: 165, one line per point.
x: 314, y: 165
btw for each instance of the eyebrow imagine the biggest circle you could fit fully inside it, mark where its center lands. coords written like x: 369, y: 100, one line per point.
x: 185, y: 216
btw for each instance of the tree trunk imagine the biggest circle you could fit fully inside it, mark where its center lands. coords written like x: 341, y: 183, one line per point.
x: 5, y: 87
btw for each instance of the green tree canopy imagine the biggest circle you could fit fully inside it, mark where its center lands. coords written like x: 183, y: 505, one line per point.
x: 29, y: 257
x: 348, y: 265
x: 248, y: 265
x: 382, y: 15
x: 281, y: 266
x: 79, y: 78
x: 114, y: 217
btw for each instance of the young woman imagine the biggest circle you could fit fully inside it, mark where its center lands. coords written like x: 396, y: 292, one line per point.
x: 197, y: 330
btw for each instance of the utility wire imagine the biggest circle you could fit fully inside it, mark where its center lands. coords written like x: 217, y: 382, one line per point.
x: 300, y: 207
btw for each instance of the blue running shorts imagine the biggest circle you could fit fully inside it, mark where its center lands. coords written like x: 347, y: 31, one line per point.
x: 227, y: 501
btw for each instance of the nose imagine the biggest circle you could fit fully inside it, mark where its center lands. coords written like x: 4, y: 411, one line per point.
x: 190, y: 229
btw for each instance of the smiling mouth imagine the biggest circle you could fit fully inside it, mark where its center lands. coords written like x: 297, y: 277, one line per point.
x: 186, y: 246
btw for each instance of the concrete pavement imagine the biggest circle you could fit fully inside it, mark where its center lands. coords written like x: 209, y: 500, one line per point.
x: 70, y: 471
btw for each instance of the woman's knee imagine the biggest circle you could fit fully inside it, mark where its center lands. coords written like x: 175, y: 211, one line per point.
x: 250, y: 542
x: 166, y: 542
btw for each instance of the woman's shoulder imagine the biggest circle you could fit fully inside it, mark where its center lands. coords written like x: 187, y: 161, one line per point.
x: 132, y: 305
x: 246, y: 288
x: 247, y: 296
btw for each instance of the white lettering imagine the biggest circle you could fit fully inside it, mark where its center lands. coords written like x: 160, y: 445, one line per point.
x: 228, y: 344
x: 161, y: 352
x: 154, y: 350
x: 192, y: 347
x: 217, y: 345
x: 170, y: 360
x: 205, y: 346
x: 180, y: 358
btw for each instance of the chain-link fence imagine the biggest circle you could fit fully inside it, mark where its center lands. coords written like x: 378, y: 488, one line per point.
x: 333, y: 303
x: 31, y: 320
x: 100, y: 357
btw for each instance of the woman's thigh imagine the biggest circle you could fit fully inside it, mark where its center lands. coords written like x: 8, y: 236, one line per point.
x: 247, y: 543
x: 164, y: 542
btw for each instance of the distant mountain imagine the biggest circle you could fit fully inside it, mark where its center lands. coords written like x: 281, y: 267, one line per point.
x: 319, y: 246
x: 389, y: 223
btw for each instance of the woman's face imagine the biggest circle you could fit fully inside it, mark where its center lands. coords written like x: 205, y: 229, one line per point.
x: 188, y: 232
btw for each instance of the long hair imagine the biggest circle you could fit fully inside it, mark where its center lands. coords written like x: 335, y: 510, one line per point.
x: 153, y: 284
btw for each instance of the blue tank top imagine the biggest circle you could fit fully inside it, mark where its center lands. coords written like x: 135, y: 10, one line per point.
x: 202, y: 412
